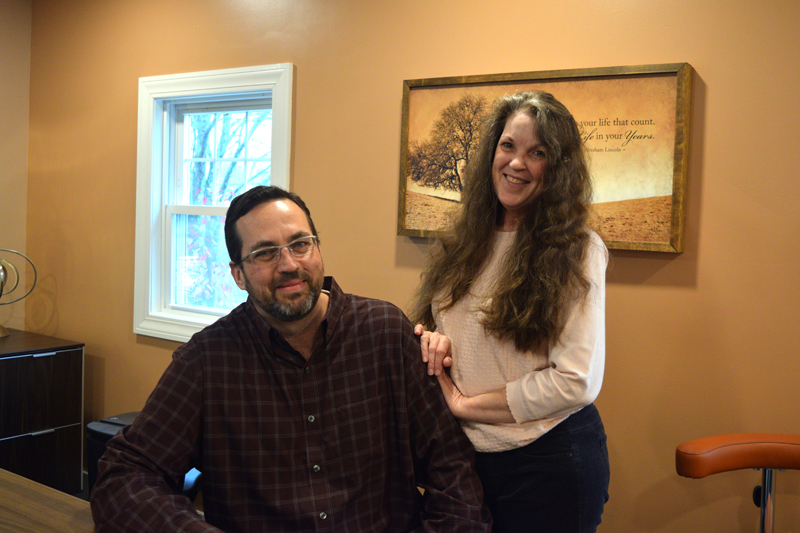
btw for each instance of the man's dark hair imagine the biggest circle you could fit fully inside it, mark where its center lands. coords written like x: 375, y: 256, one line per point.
x: 246, y: 202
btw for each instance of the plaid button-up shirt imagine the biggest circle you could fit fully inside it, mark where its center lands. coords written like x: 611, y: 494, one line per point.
x: 336, y: 443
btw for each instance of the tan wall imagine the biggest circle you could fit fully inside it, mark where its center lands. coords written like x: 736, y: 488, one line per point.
x: 15, y: 71
x: 700, y: 343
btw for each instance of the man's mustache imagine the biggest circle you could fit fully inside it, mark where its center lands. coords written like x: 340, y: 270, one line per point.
x: 283, y: 278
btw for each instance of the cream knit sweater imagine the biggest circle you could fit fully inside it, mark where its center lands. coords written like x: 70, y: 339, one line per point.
x: 544, y: 387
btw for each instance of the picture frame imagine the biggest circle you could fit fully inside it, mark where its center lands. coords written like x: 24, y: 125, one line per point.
x: 635, y: 124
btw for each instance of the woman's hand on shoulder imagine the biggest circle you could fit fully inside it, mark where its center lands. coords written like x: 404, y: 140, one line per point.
x: 436, y: 350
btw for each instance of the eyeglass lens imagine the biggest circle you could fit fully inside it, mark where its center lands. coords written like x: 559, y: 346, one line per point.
x: 298, y: 248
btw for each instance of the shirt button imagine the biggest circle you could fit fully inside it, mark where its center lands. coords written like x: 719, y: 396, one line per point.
x: 316, y: 468
x: 307, y: 370
x: 311, y: 418
x: 323, y: 515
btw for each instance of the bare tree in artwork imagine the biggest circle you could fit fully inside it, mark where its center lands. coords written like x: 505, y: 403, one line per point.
x: 439, y: 161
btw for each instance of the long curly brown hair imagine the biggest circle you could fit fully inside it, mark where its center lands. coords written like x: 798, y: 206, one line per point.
x: 544, y: 271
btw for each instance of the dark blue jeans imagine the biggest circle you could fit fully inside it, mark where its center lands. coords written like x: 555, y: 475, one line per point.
x: 558, y: 483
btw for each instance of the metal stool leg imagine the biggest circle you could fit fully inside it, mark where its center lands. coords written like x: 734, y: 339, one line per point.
x: 767, y: 500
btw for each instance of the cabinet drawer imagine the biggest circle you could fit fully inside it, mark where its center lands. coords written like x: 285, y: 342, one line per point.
x: 40, y: 391
x: 13, y: 371
x: 52, y: 458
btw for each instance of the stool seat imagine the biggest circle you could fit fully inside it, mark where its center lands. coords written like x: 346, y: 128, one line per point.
x: 736, y: 451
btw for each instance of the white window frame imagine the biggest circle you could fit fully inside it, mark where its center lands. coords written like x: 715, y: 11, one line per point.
x: 152, y: 315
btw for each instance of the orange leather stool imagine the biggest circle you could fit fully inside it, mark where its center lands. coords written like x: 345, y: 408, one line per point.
x: 736, y: 451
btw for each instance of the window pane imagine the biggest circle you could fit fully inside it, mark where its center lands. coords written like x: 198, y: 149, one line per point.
x: 199, y: 134
x: 232, y: 129
x: 201, y: 275
x: 258, y: 173
x: 231, y: 182
x: 259, y: 143
x: 199, y: 177
x: 225, y: 153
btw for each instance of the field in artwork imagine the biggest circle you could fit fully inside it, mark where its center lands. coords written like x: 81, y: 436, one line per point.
x: 640, y: 220
x: 426, y: 212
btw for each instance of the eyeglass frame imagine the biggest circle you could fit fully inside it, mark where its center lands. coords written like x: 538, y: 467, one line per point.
x: 278, y: 249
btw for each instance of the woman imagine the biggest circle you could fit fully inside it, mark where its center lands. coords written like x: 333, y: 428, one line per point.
x: 516, y: 295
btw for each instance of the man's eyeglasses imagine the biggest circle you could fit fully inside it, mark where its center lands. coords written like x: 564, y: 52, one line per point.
x: 272, y: 254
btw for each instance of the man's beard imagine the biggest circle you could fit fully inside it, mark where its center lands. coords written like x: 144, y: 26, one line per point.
x: 293, y: 309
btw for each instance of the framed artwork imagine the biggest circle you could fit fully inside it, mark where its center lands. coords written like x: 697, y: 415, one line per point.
x: 634, y: 121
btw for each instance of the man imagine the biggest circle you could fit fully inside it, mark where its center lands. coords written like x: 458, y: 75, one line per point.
x: 306, y: 408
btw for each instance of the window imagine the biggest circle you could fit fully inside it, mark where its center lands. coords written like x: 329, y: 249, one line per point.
x: 203, y: 139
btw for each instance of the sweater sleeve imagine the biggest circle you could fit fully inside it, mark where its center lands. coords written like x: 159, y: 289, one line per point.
x: 574, y: 375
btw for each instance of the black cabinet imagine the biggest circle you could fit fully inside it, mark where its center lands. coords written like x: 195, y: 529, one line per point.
x: 41, y: 409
